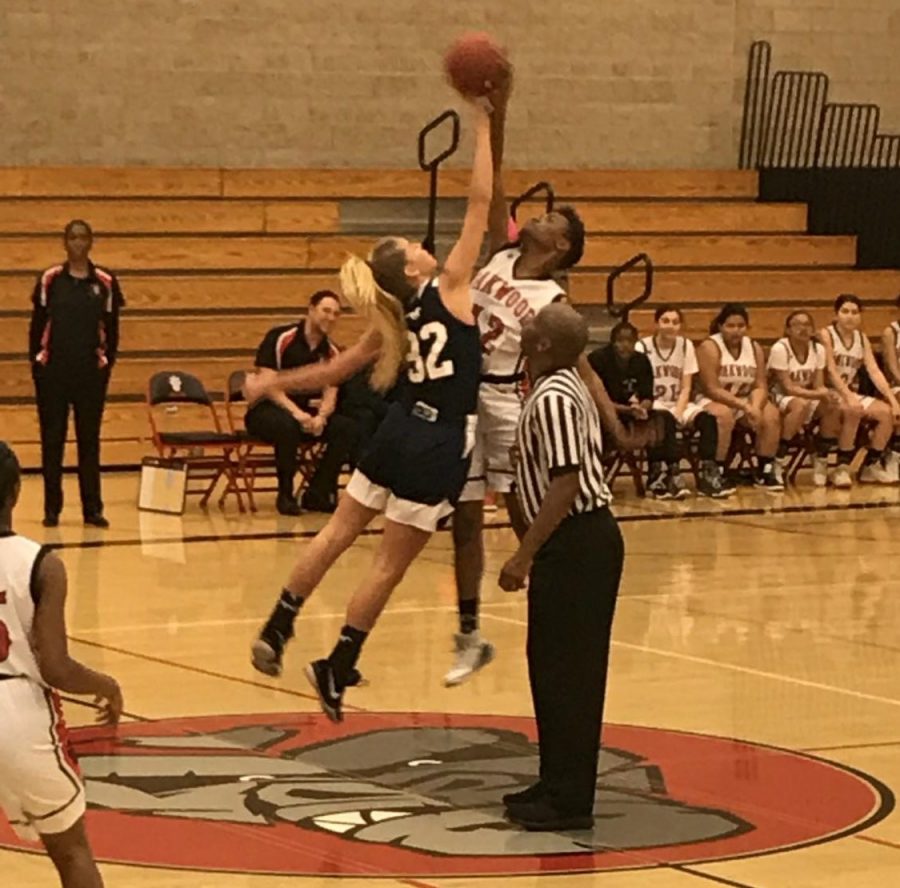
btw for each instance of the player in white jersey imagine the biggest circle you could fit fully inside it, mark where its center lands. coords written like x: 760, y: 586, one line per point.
x: 797, y: 385
x: 890, y: 350
x: 674, y: 362
x: 517, y: 282
x: 41, y: 791
x: 733, y: 376
x: 847, y: 350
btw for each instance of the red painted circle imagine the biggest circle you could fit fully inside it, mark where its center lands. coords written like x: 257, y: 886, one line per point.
x: 785, y: 800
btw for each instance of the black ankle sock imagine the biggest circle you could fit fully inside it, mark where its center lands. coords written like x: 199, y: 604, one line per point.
x: 468, y: 615
x: 824, y: 446
x: 283, y: 615
x: 873, y: 456
x: 345, y: 654
x: 845, y: 457
x: 783, y: 447
x: 895, y: 444
x: 765, y: 463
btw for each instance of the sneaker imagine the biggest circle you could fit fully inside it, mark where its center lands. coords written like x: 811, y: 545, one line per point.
x: 312, y: 501
x: 96, y: 520
x: 676, y: 487
x: 287, y: 505
x: 267, y: 652
x: 657, y: 482
x: 321, y: 676
x: 541, y: 816
x: 472, y: 654
x: 841, y: 477
x: 524, y: 796
x: 729, y: 488
x: 876, y: 473
x: 709, y: 482
x: 779, y: 466
x: 820, y: 470
x: 768, y: 480
x: 892, y: 464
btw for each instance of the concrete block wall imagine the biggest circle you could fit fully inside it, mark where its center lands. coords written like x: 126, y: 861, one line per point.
x: 346, y: 83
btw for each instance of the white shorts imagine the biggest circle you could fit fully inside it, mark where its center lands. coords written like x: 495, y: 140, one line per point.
x: 783, y: 402
x: 499, y: 409
x: 401, y: 511
x: 702, y: 402
x: 691, y: 412
x: 41, y: 791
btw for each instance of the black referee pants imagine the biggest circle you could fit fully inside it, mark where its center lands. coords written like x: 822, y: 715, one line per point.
x: 86, y: 394
x: 275, y: 426
x: 571, y: 600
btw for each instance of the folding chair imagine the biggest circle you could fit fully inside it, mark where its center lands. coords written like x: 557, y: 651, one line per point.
x: 257, y: 458
x: 208, y: 452
x: 614, y: 461
x: 801, y: 452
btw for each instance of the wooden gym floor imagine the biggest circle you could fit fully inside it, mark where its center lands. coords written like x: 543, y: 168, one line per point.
x: 753, y: 707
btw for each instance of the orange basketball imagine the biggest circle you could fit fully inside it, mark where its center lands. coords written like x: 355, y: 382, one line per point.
x: 475, y: 64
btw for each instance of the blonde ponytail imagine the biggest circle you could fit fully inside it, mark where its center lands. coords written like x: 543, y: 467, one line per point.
x: 384, y: 312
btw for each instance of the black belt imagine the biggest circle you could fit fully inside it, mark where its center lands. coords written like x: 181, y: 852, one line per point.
x: 494, y: 379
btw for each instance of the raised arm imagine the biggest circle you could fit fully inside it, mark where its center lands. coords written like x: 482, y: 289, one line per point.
x: 498, y: 217
x: 457, y: 272
x: 316, y: 377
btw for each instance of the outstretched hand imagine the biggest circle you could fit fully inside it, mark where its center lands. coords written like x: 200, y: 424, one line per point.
x: 258, y: 384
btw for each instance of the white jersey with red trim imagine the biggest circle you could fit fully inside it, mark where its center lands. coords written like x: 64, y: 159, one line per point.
x: 848, y: 359
x: 669, y: 367
x: 19, y: 559
x: 502, y: 303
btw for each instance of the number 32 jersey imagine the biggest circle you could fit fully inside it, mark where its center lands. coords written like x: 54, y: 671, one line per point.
x: 502, y: 303
x: 443, y: 361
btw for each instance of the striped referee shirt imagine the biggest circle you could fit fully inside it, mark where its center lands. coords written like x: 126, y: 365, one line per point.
x: 559, y: 432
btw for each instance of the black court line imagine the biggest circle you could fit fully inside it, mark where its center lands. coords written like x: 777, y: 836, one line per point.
x: 883, y: 744
x: 89, y: 704
x: 502, y: 525
x: 720, y: 880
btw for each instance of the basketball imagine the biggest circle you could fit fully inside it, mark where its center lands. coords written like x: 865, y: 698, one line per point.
x: 475, y: 64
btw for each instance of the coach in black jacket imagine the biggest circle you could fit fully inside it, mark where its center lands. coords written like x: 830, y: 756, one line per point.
x: 73, y: 341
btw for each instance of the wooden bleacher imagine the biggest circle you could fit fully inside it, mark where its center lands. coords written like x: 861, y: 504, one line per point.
x: 210, y: 259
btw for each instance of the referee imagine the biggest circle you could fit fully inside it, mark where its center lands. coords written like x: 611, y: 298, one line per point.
x: 572, y: 554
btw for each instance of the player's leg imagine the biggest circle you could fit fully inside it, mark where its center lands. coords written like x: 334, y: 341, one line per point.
x: 829, y: 415
x: 795, y: 413
x: 360, y: 504
x: 768, y: 435
x: 892, y: 458
x: 851, y: 416
x: 725, y: 418
x: 71, y: 854
x: 490, y: 466
x: 710, y: 482
x: 874, y: 470
x: 400, y: 545
x: 663, y: 475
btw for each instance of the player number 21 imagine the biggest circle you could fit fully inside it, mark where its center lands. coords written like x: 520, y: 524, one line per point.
x: 432, y: 367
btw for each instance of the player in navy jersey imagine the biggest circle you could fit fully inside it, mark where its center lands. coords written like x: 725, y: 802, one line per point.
x: 415, y: 466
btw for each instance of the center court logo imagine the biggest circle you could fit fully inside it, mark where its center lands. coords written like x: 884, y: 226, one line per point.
x: 418, y: 795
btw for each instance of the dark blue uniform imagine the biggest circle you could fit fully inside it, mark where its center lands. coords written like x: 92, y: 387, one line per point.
x: 421, y: 450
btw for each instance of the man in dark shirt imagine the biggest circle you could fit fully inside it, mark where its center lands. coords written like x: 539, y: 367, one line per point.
x: 292, y: 419
x: 628, y: 377
x: 73, y: 342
